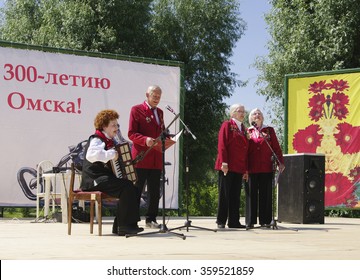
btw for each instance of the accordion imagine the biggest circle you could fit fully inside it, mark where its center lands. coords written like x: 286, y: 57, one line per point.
x: 123, y: 166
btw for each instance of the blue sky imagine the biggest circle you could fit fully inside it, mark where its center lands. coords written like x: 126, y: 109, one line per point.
x: 252, y: 44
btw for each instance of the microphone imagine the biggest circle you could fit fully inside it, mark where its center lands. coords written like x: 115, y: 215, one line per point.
x: 257, y: 129
x: 186, y: 128
x: 170, y: 109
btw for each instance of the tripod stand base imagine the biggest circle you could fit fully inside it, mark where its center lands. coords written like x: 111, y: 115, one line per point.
x: 188, y: 224
x: 163, y: 229
x: 274, y: 225
x: 252, y: 227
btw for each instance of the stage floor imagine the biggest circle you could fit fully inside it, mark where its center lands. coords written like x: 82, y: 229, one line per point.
x: 337, y: 239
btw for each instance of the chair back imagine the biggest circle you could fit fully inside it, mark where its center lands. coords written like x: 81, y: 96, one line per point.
x: 74, y: 172
x: 45, y: 166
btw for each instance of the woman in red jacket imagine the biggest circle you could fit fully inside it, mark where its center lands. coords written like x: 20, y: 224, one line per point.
x: 261, y: 169
x: 231, y: 163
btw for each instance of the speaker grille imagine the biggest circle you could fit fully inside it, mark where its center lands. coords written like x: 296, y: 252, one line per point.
x: 301, y: 189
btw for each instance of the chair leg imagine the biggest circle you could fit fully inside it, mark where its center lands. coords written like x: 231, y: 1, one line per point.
x: 70, y: 202
x: 53, y: 201
x: 92, y: 206
x: 99, y: 216
x: 37, y: 207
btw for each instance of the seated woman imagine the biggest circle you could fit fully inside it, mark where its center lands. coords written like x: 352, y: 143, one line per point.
x: 97, y: 174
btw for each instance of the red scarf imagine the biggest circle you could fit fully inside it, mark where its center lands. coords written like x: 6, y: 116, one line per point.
x: 109, y: 143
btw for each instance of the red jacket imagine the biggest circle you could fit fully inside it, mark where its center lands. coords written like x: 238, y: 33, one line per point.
x: 142, y: 124
x: 260, y: 153
x: 232, y: 147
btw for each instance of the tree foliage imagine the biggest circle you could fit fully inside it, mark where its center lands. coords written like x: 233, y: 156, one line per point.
x: 102, y: 26
x: 308, y: 36
x: 201, y: 34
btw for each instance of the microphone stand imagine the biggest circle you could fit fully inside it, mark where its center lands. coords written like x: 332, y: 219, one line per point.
x: 275, y: 161
x: 163, y: 227
x: 187, y: 223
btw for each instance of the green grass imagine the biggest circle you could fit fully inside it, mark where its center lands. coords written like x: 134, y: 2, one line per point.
x: 30, y: 212
x: 23, y: 212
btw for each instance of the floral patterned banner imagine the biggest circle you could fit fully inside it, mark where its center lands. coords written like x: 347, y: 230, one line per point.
x: 323, y: 117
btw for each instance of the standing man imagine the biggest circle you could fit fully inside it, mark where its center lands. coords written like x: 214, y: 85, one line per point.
x: 146, y: 123
x: 231, y: 162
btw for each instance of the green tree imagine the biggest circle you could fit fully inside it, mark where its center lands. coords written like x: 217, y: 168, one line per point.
x: 201, y: 34
x: 308, y: 36
x: 103, y: 26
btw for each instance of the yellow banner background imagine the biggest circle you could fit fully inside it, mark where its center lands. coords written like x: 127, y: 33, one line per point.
x: 332, y: 130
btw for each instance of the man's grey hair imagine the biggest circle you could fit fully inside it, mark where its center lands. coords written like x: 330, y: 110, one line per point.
x: 234, y: 107
x: 153, y: 88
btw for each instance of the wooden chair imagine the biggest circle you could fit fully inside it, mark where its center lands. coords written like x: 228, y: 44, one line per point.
x: 92, y: 197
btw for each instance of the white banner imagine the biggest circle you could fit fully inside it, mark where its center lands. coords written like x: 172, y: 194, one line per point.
x: 48, y: 104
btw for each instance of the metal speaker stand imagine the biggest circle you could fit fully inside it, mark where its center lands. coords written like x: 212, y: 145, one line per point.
x: 276, y: 175
x: 275, y: 180
x: 188, y: 224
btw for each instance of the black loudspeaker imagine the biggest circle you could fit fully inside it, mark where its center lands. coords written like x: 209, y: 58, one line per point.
x: 301, y: 189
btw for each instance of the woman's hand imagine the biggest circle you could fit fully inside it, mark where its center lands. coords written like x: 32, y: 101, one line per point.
x: 224, y: 168
x: 281, y: 167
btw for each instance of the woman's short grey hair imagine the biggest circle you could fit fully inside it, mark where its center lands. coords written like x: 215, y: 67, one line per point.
x: 252, y: 113
x: 234, y: 107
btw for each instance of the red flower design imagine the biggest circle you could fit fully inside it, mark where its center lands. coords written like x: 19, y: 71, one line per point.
x: 317, y: 100
x: 339, y: 191
x: 338, y: 85
x: 318, y: 87
x: 307, y: 140
x: 339, y: 98
x: 355, y: 174
x: 348, y: 138
x: 340, y: 112
x: 329, y: 101
x: 316, y: 104
x: 316, y: 113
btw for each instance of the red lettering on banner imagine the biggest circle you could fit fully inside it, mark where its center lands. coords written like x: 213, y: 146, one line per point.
x: 13, y: 101
x: 63, y: 79
x: 18, y: 101
x: 21, y: 73
x: 54, y: 79
x: 85, y: 81
x: 9, y: 70
x: 102, y: 83
x: 33, y: 105
x: 105, y: 83
x: 47, y: 105
x: 58, y: 107
x: 74, y: 79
